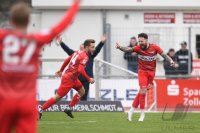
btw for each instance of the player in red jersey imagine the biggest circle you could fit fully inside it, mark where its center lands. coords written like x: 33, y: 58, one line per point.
x: 75, y: 65
x: 19, y: 62
x: 147, y: 53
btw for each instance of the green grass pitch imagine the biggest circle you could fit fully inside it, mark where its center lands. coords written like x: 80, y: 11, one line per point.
x: 112, y: 122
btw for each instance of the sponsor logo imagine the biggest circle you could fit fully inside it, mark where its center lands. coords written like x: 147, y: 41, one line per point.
x: 88, y: 106
x: 173, y: 89
x: 147, y: 58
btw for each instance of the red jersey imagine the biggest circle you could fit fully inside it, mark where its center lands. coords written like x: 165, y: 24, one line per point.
x: 19, y: 58
x: 76, y: 64
x: 147, y: 58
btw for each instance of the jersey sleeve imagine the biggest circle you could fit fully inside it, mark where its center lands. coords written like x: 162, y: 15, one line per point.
x: 81, y: 68
x: 83, y: 61
x: 136, y: 49
x: 158, y: 49
x: 47, y: 35
x: 66, y: 62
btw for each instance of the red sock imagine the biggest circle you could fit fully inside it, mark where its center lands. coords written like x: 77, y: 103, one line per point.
x: 75, y: 100
x: 142, y: 101
x: 48, y: 103
x: 136, y: 101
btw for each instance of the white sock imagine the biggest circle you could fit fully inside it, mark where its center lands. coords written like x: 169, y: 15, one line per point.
x: 142, y: 113
x: 131, y: 110
x: 130, y: 113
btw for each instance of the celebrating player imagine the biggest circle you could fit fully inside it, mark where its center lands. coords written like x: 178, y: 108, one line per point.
x: 89, y: 66
x: 75, y: 65
x: 147, y: 53
x: 19, y: 59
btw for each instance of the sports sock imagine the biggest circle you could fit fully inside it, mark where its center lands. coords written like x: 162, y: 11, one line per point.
x: 48, y: 103
x: 75, y: 100
x: 142, y: 113
x: 131, y: 110
x: 136, y: 101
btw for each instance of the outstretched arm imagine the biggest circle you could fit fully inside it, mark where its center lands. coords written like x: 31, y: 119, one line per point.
x: 47, y: 36
x: 99, y: 46
x: 168, y: 59
x: 68, y: 50
x: 124, y: 49
x: 60, y: 42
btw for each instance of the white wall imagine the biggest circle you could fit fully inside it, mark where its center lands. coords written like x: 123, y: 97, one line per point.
x: 88, y: 24
x: 120, y: 4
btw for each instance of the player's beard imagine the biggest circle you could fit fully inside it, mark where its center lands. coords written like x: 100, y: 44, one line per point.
x: 91, y: 53
x: 143, y: 47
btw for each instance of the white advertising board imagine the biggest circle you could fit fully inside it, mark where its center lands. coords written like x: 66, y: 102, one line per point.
x: 123, y: 90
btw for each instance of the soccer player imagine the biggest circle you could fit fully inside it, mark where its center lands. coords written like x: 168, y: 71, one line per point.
x: 89, y: 66
x: 75, y: 65
x: 19, y: 61
x: 147, y: 53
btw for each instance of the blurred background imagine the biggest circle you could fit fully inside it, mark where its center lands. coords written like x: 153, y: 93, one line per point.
x: 174, y: 27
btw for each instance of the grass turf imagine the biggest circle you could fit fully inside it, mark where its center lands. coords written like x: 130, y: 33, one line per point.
x: 111, y: 122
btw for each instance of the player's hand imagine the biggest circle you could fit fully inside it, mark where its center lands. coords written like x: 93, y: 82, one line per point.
x: 58, y: 39
x: 134, y: 54
x: 91, y: 80
x: 176, y: 65
x: 172, y: 63
x: 58, y: 74
x: 117, y: 46
x: 103, y: 38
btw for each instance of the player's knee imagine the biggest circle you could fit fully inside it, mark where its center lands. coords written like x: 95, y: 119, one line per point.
x: 143, y: 91
x: 81, y: 92
x: 57, y: 97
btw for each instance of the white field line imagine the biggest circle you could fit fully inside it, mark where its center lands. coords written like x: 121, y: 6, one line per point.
x: 63, y: 122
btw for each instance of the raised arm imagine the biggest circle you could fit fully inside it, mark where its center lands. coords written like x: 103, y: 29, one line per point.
x: 60, y: 42
x: 68, y: 50
x: 47, y: 36
x: 165, y: 56
x: 124, y: 49
x: 100, y: 45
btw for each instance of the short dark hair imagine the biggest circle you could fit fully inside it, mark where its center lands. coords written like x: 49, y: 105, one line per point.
x: 171, y: 50
x: 144, y: 35
x: 20, y: 13
x: 184, y: 43
x: 88, y: 42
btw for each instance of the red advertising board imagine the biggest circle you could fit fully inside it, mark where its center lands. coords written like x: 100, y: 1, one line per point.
x: 196, y: 67
x: 173, y: 92
x: 160, y: 18
x: 191, y: 18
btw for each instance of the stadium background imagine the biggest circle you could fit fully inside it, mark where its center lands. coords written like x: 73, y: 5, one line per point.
x: 120, y: 20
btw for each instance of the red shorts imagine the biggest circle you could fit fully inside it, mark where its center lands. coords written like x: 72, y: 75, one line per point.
x: 67, y: 84
x: 145, y: 78
x: 19, y: 116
